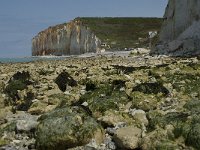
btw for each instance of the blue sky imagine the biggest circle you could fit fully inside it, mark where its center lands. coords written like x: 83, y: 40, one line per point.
x: 20, y: 20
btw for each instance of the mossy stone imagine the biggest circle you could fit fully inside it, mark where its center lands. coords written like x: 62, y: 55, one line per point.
x: 66, y: 128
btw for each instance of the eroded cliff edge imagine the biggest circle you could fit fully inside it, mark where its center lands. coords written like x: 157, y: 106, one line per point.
x: 180, y: 33
x: 65, y: 39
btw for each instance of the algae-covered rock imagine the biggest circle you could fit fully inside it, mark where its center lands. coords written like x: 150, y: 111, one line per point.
x: 155, y: 118
x: 151, y: 88
x: 184, y: 126
x: 37, y: 108
x: 104, y: 98
x: 146, y: 96
x: 18, y: 82
x: 158, y: 139
x: 158, y: 119
x: 65, y: 128
x: 8, y: 127
x: 144, y: 102
x: 62, y: 99
x: 186, y: 82
x: 193, y: 137
x: 112, y: 118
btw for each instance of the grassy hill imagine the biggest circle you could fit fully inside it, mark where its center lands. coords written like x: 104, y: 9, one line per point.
x: 122, y: 33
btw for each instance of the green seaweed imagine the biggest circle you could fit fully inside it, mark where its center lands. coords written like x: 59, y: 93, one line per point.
x: 104, y: 98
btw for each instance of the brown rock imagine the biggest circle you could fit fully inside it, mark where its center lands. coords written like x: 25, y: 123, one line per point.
x: 128, y: 137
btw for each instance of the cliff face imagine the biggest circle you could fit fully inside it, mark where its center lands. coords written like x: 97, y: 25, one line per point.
x: 66, y: 39
x: 92, y: 34
x: 180, y: 33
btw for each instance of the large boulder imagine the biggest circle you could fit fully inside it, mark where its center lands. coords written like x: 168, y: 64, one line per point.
x: 24, y: 121
x: 66, y: 128
x: 180, y: 33
x: 128, y: 137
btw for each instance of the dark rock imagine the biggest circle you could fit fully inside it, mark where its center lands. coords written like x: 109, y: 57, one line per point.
x: 90, y: 86
x: 19, y: 81
x: 151, y: 88
x: 12, y: 88
x: 117, y: 84
x: 128, y: 69
x: 23, y: 76
x: 162, y: 65
x: 124, y: 69
x: 25, y: 105
x: 63, y: 80
x: 45, y: 72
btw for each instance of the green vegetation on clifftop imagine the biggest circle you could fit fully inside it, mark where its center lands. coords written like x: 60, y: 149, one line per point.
x: 123, y: 32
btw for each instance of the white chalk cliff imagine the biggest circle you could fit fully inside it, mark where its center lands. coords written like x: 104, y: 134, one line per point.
x: 65, y: 39
x: 180, y: 33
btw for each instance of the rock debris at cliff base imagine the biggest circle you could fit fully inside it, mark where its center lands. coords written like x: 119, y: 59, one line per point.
x: 115, y: 102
